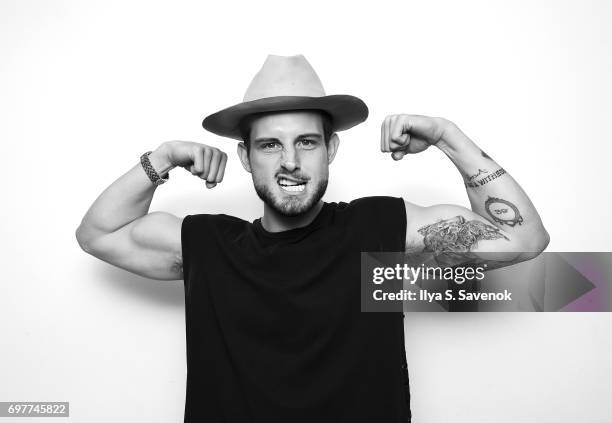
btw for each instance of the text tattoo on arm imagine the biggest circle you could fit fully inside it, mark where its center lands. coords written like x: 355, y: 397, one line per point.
x: 480, y: 172
x: 480, y: 182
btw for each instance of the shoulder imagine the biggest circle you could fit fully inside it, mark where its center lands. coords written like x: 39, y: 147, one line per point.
x: 378, y: 203
x: 386, y: 205
x: 201, y: 224
x: 380, y: 221
x: 219, y: 219
x: 378, y: 211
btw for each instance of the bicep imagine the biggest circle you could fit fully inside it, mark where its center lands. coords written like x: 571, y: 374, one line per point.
x: 150, y: 246
x: 455, y: 235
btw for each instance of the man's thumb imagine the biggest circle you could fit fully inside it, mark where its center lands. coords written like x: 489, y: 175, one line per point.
x: 398, y: 155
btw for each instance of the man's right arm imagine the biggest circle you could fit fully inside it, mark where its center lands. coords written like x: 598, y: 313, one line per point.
x: 118, y: 227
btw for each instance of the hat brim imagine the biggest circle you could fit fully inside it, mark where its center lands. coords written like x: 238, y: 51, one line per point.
x: 346, y: 111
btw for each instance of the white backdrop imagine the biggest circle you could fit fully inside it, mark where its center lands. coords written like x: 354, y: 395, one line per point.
x: 86, y: 87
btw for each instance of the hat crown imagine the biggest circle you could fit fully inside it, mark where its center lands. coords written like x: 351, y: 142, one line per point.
x: 285, y: 76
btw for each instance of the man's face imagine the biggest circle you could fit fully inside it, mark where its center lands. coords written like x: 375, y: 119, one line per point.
x: 288, y: 160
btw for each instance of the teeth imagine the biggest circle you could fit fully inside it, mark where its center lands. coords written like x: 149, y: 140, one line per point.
x: 293, y: 188
x: 287, y: 182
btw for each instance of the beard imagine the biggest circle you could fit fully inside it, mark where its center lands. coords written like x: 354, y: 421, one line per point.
x: 291, y: 205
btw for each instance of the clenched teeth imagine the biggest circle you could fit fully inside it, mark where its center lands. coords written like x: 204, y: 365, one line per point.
x: 293, y: 188
x: 286, y: 182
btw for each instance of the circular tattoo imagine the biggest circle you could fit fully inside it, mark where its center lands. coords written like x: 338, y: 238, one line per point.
x: 503, y: 212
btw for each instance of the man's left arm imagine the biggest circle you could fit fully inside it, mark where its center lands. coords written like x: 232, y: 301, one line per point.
x: 502, y: 218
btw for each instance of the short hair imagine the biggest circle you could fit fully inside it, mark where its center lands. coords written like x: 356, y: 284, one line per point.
x: 245, y: 125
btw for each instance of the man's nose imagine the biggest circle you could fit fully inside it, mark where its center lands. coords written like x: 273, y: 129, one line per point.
x: 289, y: 160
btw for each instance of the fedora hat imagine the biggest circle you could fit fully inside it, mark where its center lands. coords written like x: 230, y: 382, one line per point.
x: 287, y: 83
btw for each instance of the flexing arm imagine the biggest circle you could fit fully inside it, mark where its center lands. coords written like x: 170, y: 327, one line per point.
x: 118, y: 227
x: 503, y: 227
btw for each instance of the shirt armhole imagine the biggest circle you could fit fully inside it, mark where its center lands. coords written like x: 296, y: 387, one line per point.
x: 403, y: 224
x: 186, y: 249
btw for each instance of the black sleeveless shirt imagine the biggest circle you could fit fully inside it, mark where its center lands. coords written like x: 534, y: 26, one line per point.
x: 274, y: 328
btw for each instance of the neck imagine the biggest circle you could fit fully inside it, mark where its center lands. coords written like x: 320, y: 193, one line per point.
x: 272, y: 221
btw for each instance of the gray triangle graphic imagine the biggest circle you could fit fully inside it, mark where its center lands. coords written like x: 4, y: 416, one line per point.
x: 564, y: 284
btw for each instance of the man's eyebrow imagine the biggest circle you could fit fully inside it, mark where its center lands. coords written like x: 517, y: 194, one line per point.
x: 265, y: 139
x: 311, y: 135
x: 308, y: 135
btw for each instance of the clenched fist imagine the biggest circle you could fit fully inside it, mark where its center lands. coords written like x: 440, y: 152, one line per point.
x: 204, y: 161
x: 403, y: 134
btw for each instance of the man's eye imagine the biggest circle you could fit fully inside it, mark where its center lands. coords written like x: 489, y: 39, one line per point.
x: 269, y: 145
x: 307, y: 142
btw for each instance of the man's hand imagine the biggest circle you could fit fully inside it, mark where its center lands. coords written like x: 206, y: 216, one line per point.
x: 409, y: 134
x: 206, y: 162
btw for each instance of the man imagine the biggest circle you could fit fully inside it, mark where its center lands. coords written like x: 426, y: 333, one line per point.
x: 274, y: 328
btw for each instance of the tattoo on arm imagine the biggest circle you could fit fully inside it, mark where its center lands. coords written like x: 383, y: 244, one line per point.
x: 480, y: 171
x: 480, y: 182
x: 457, y: 235
x: 451, y: 240
x: 503, y: 211
x: 177, y: 266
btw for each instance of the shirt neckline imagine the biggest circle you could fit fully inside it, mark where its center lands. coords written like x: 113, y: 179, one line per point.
x: 316, y: 222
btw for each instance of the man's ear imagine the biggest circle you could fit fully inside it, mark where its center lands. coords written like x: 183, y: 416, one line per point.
x: 332, y: 147
x: 243, y: 154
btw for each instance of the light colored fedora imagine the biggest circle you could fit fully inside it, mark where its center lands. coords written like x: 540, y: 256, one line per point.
x: 287, y: 83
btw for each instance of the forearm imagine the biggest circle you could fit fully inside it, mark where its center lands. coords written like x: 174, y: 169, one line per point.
x: 125, y: 200
x: 493, y: 192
